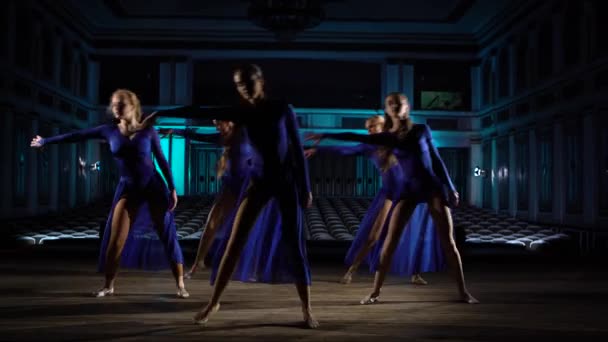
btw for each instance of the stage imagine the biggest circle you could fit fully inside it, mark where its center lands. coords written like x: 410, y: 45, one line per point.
x: 46, y: 295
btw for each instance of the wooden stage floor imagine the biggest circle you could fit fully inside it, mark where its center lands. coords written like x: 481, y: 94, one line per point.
x: 46, y: 296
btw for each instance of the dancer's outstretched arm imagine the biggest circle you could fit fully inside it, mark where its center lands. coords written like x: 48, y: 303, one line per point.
x: 223, y: 113
x: 383, y: 139
x: 75, y: 136
x: 212, y: 138
x: 356, y: 150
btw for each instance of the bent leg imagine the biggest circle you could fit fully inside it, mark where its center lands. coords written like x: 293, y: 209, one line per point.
x: 374, y: 236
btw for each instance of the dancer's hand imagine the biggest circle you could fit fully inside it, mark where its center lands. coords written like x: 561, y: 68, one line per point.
x: 37, y: 142
x: 173, y: 203
x: 309, y: 152
x: 149, y: 120
x: 314, y: 137
x: 454, y: 198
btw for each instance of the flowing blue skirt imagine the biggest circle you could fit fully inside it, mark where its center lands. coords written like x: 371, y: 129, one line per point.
x: 145, y: 247
x: 270, y: 251
x: 418, y: 250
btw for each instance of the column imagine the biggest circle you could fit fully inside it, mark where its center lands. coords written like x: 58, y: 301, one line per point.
x: 183, y: 82
x: 11, y: 16
x: 57, y: 51
x: 72, y: 176
x: 7, y: 164
x: 558, y: 172
x: 76, y: 70
x: 533, y: 181
x: 558, y: 43
x: 476, y: 88
x: 512, y: 174
x: 475, y: 183
x: 32, y: 172
x: 407, y: 82
x: 512, y: 63
x: 93, y: 81
x: 54, y: 170
x: 591, y: 170
x: 532, y: 59
x: 493, y: 173
x: 390, y: 80
x: 165, y: 84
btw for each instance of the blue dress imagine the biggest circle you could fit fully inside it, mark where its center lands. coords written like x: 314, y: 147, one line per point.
x: 275, y: 251
x: 419, y: 249
x: 424, y: 173
x: 147, y: 247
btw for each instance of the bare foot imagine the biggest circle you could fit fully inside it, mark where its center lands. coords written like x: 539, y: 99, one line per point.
x: 370, y: 299
x: 202, y: 317
x: 467, y: 298
x: 347, y: 279
x: 309, y: 321
x: 106, y: 291
x: 418, y: 280
x: 182, y: 293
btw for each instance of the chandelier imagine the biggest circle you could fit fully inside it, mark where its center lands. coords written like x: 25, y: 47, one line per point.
x: 286, y: 18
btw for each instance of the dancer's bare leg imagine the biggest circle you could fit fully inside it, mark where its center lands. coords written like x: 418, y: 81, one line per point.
x: 291, y: 238
x: 442, y: 218
x: 245, y: 218
x: 158, y: 210
x: 120, y: 225
x: 217, y: 215
x: 401, y: 215
x: 374, y: 236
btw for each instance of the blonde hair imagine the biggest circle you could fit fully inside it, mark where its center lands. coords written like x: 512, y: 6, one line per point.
x: 374, y: 120
x: 222, y: 163
x: 133, y: 100
x: 406, y: 124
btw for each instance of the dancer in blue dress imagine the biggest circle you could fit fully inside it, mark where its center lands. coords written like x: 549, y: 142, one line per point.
x: 425, y: 180
x: 418, y: 250
x: 140, y: 231
x: 231, y: 182
x: 262, y: 257
x: 280, y: 173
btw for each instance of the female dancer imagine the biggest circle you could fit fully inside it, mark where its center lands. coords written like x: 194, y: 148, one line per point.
x: 141, y: 200
x: 425, y: 180
x: 415, y: 254
x: 227, y: 196
x: 280, y: 173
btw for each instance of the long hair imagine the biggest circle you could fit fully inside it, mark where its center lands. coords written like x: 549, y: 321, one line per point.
x: 133, y: 100
x: 406, y: 123
x: 387, y: 159
x: 222, y: 163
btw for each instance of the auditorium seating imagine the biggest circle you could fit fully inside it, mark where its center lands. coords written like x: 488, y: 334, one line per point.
x: 330, y: 219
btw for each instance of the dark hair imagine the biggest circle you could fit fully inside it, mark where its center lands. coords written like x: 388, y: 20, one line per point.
x: 249, y: 69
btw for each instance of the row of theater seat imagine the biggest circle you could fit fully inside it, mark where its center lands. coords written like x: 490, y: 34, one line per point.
x: 328, y: 219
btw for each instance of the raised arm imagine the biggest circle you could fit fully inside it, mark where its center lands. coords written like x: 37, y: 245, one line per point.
x: 161, y: 160
x: 224, y: 113
x: 301, y: 166
x: 382, y: 139
x: 439, y: 167
x: 344, y: 150
x: 75, y: 136
x: 212, y: 138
